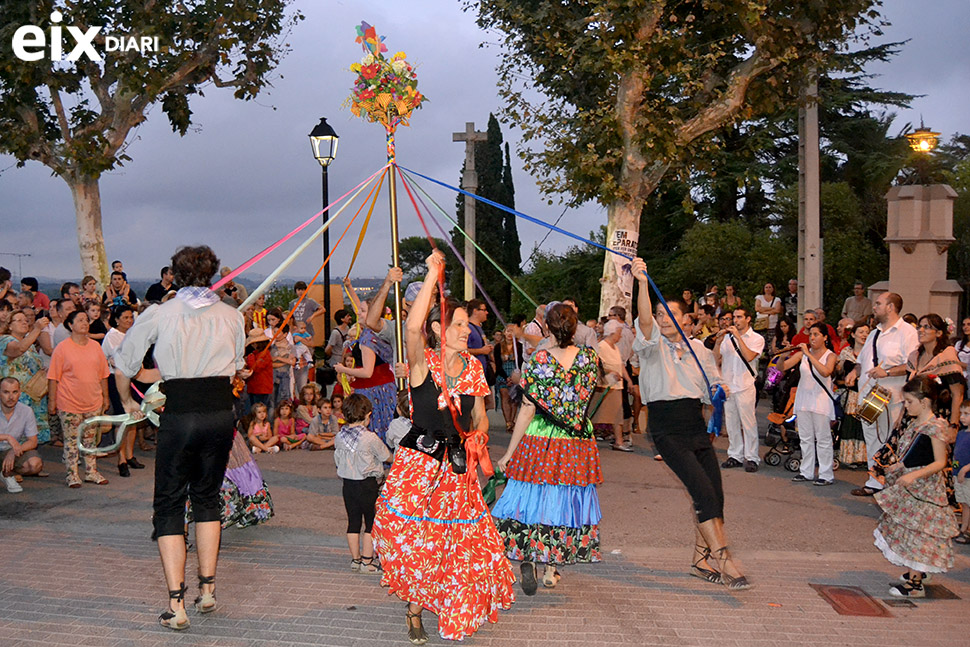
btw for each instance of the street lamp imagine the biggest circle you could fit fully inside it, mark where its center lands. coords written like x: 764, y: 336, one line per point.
x: 324, y: 140
x: 923, y: 140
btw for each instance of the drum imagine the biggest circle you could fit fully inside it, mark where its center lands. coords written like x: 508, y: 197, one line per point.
x: 873, y: 404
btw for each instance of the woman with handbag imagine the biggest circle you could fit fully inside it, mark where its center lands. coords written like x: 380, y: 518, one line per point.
x: 19, y: 359
x: 916, y: 527
x: 815, y: 405
x: 549, y: 512
x: 438, y: 546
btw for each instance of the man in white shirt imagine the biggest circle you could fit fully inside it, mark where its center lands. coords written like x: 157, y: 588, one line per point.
x: 737, y: 349
x: 534, y: 332
x: 883, y: 362
x: 198, y: 349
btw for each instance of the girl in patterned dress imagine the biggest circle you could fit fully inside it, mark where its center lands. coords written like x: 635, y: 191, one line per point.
x: 549, y: 511
x: 916, y: 526
x: 436, y: 541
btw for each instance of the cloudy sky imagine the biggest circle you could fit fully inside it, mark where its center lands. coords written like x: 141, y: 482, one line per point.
x: 245, y: 176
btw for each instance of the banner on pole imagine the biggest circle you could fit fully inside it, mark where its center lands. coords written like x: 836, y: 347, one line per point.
x: 624, y: 241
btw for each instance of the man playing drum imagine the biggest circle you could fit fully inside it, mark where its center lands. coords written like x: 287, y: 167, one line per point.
x: 882, y: 362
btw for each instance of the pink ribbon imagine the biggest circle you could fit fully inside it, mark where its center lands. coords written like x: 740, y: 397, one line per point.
x: 260, y: 256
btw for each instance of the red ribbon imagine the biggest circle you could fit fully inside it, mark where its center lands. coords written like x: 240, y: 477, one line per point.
x: 476, y: 451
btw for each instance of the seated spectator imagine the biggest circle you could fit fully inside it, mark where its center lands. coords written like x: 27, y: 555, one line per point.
x: 260, y: 432
x: 18, y: 436
x: 157, y: 291
x: 38, y: 299
x: 724, y: 322
x: 784, y: 335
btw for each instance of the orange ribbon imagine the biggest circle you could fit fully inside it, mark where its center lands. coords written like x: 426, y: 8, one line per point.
x: 476, y: 451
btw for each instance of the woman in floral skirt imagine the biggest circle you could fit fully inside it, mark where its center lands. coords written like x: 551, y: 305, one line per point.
x: 916, y: 527
x: 437, y: 544
x: 549, y: 511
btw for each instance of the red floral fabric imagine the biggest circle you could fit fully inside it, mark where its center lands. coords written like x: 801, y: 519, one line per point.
x: 557, y: 461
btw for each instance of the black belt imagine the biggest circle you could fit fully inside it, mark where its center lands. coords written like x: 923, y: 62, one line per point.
x: 436, y: 444
x: 197, y: 394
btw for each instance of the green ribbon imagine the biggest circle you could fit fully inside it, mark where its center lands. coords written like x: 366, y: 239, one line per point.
x: 496, y: 480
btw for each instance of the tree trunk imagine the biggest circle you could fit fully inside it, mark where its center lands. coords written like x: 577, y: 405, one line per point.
x: 90, y: 240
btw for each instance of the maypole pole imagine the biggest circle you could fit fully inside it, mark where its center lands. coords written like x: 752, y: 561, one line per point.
x: 386, y: 91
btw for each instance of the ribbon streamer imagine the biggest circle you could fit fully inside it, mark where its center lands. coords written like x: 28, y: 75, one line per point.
x: 258, y: 257
x: 454, y: 222
x: 154, y: 399
x: 299, y: 250
x: 717, y: 394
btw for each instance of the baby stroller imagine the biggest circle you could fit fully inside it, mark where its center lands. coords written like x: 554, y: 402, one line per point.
x: 782, y: 438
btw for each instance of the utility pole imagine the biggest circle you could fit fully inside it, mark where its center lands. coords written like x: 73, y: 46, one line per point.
x: 20, y: 262
x: 809, y: 218
x: 469, y: 182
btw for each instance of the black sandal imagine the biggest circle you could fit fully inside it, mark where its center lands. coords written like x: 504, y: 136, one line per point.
x: 416, y: 633
x: 177, y: 619
x: 530, y: 583
x: 206, y: 602
x: 739, y: 583
x: 712, y: 576
x: 368, y: 566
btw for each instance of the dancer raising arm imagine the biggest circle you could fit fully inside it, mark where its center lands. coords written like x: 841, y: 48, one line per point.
x: 436, y: 540
x: 673, y: 390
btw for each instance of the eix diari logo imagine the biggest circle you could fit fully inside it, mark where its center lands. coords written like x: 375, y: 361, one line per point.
x: 30, y: 42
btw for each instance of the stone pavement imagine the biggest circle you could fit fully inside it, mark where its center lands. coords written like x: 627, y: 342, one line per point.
x: 78, y: 569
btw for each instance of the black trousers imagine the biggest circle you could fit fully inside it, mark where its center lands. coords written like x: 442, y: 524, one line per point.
x: 194, y: 439
x: 680, y: 436
x: 360, y: 500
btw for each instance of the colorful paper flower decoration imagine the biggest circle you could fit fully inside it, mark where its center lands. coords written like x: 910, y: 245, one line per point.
x: 386, y: 89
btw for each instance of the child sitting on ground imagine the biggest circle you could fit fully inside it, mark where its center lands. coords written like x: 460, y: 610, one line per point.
x: 336, y: 406
x: 260, y: 433
x: 359, y: 455
x: 310, y: 419
x: 284, y: 427
x: 401, y: 425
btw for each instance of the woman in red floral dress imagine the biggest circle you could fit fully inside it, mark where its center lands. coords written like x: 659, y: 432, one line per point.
x: 436, y: 540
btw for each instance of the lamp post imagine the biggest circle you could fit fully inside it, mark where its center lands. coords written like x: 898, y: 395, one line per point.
x: 324, y: 140
x: 923, y: 141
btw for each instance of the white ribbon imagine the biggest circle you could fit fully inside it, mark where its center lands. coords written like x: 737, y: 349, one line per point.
x: 154, y: 399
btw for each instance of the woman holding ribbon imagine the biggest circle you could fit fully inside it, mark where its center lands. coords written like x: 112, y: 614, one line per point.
x: 549, y: 511
x: 437, y: 544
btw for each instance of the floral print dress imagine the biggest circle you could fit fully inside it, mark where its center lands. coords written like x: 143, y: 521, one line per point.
x: 436, y: 541
x: 23, y: 368
x: 549, y: 511
x: 916, y: 526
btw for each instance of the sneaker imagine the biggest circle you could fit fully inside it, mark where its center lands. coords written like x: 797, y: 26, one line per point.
x: 798, y: 478
x: 750, y: 466
x: 905, y: 577
x: 275, y: 449
x: 824, y: 482
x: 907, y: 590
x: 12, y: 486
x: 731, y: 462
x: 255, y: 449
x: 621, y: 448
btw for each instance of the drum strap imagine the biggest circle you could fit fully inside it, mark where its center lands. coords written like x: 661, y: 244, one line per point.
x: 875, y: 347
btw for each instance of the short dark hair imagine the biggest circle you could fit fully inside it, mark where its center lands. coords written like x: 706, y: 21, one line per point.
x: 117, y: 273
x: 681, y: 304
x: 474, y: 304
x: 66, y: 288
x: 620, y: 311
x: 355, y: 408
x: 4, y: 274
x: 299, y: 285
x: 561, y: 322
x: 165, y: 270
x: 60, y: 302
x: 709, y: 309
x: 744, y: 310
x: 10, y: 379
x: 114, y: 314
x: 571, y: 300
x: 69, y: 320
x: 31, y: 283
x: 116, y: 262
x: 340, y: 314
x: 194, y: 266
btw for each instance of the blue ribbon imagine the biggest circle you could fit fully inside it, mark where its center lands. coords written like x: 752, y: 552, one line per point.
x: 717, y: 393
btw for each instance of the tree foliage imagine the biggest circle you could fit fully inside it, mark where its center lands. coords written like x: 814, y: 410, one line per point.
x: 75, y: 116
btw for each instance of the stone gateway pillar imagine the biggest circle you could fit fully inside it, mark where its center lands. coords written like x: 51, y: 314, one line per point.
x: 919, y: 232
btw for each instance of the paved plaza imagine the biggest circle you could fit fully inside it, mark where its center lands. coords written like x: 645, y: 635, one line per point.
x: 78, y: 568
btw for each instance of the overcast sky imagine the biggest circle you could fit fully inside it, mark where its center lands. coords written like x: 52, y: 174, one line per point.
x: 245, y: 176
